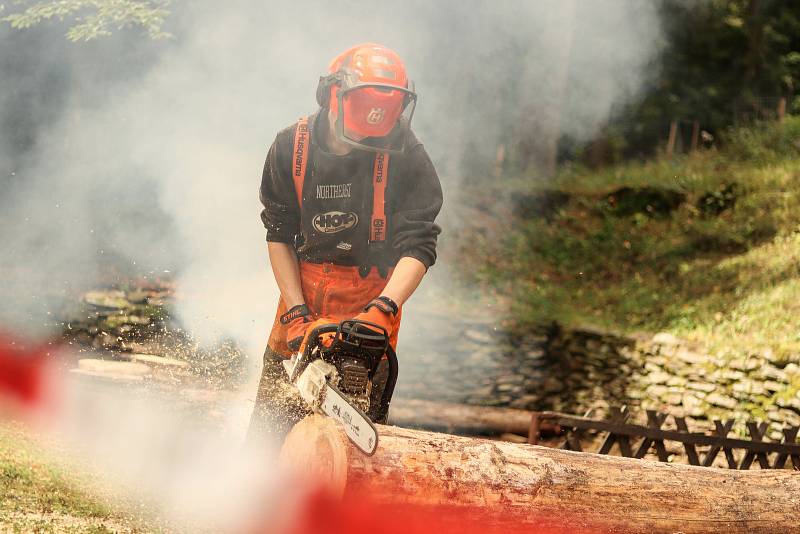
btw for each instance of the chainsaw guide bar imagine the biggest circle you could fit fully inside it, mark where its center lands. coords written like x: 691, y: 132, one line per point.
x: 326, y: 398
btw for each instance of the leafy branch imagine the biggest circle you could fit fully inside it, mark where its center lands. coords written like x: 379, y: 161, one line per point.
x: 93, y: 18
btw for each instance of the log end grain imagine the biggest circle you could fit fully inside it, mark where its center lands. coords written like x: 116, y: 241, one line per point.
x: 315, y: 450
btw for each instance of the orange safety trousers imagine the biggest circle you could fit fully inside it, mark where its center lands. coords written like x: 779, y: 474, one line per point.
x: 334, y: 292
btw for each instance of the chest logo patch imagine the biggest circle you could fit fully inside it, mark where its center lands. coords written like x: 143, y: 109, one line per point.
x: 334, y: 221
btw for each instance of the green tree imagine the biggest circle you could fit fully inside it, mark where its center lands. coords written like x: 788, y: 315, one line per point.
x: 91, y: 19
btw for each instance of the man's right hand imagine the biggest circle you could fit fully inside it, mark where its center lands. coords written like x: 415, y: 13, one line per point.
x: 324, y: 339
x: 296, y: 320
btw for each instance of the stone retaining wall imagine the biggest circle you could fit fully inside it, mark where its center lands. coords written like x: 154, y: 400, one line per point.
x: 664, y: 373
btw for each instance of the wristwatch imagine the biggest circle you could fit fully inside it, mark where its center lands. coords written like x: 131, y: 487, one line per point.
x: 383, y: 303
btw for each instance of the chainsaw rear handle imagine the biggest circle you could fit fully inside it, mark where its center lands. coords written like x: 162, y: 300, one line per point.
x: 388, y: 389
x: 378, y: 334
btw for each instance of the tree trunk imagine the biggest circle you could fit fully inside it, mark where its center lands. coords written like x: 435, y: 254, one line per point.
x: 459, y: 418
x: 544, y: 75
x: 508, y: 486
x: 755, y: 37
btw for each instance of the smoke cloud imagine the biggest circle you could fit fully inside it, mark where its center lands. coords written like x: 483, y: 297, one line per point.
x: 128, y: 156
x: 146, y: 156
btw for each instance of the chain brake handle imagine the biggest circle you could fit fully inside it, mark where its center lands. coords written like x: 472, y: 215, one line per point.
x: 313, y: 343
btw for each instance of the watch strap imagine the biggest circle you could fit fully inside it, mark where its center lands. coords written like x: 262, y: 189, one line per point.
x: 385, y: 304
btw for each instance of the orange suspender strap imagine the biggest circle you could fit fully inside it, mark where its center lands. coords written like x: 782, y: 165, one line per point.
x: 300, y: 153
x: 380, y: 175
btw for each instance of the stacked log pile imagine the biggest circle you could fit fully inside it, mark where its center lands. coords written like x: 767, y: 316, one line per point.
x: 120, y: 320
x: 137, y: 324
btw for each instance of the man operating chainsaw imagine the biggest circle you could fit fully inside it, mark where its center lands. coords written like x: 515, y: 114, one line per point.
x: 350, y: 197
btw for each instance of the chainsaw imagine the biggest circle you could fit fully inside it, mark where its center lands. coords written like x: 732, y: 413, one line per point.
x: 335, y: 376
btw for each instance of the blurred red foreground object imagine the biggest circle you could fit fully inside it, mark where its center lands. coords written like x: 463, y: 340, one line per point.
x: 322, y: 513
x: 23, y: 368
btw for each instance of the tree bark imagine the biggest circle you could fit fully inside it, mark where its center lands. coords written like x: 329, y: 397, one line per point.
x: 544, y: 75
x: 755, y: 37
x: 459, y: 418
x: 507, y: 486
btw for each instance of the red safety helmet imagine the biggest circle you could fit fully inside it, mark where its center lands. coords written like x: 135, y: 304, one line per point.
x: 370, y: 94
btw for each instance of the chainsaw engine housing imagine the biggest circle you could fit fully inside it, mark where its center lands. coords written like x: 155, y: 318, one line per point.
x: 356, y: 349
x: 356, y: 352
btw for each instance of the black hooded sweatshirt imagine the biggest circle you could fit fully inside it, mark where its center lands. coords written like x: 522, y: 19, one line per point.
x: 337, y: 202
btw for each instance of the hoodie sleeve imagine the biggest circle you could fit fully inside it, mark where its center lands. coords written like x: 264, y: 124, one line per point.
x: 419, y: 199
x: 281, y: 214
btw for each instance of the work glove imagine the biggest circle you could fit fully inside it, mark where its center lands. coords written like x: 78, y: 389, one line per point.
x: 381, y: 311
x: 325, y: 340
x: 296, y: 321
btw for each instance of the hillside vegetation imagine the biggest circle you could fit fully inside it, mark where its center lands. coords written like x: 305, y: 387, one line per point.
x: 706, y: 246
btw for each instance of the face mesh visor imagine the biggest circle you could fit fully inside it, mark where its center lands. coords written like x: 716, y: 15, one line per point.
x: 375, y: 116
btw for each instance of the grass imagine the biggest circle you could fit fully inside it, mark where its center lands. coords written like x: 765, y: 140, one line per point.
x: 38, y: 494
x: 722, y: 267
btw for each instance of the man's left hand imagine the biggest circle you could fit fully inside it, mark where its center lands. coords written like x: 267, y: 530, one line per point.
x: 380, y: 311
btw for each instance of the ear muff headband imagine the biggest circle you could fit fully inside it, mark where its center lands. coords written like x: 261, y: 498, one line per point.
x: 328, y: 81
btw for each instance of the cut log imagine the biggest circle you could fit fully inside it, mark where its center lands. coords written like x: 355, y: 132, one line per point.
x: 508, y: 485
x: 459, y: 418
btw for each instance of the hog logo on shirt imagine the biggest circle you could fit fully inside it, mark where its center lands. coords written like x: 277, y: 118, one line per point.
x: 334, y: 221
